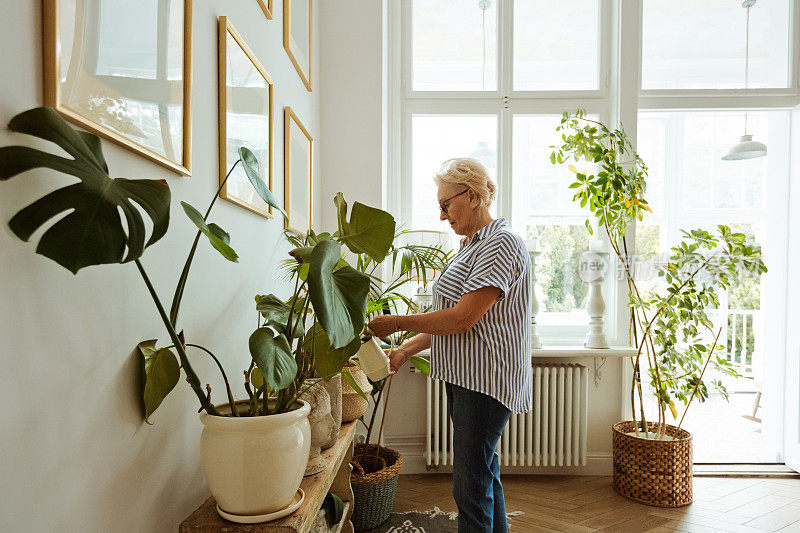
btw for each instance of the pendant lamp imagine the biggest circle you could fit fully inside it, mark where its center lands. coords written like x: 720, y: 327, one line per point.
x: 746, y: 148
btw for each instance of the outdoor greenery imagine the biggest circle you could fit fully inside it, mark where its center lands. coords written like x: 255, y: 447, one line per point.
x: 557, y: 270
x: 669, y: 325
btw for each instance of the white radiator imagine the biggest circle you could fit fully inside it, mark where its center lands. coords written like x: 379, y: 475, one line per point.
x: 552, y: 434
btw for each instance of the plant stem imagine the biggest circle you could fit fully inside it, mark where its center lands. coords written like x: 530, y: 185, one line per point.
x: 383, y: 417
x: 176, y: 298
x: 191, y: 376
x: 231, y: 401
x: 699, y: 381
x: 372, y: 418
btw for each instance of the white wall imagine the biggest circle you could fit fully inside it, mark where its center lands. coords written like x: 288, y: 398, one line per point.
x: 75, y: 453
x: 351, y: 44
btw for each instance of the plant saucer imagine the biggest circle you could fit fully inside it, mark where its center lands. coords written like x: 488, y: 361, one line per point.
x: 296, y: 502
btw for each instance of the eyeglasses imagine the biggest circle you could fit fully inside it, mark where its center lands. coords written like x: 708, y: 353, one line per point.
x: 443, y: 204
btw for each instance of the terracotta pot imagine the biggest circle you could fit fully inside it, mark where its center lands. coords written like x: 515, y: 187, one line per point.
x: 254, y: 465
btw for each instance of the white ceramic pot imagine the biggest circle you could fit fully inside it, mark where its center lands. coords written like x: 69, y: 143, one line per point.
x: 254, y: 465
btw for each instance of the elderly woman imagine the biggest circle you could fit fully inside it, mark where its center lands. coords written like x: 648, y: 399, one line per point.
x: 479, y: 336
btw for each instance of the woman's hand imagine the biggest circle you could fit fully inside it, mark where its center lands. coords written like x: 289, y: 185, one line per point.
x: 383, y: 325
x: 397, y: 358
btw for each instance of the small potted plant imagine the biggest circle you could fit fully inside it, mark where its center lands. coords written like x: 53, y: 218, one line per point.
x: 669, y: 325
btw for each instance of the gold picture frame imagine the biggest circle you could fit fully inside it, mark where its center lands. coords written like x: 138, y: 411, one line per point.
x: 298, y: 173
x: 297, y: 37
x: 246, y: 100
x: 266, y: 7
x: 108, y: 86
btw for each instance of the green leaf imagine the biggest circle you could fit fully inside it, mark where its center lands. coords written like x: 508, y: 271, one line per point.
x: 334, y: 509
x: 218, y: 243
x: 91, y: 232
x: 161, y: 373
x: 352, y: 382
x: 220, y: 233
x: 276, y: 313
x: 257, y: 378
x: 273, y: 356
x: 339, y: 296
x: 328, y: 361
x: 250, y: 164
x: 272, y: 307
x: 370, y: 230
x: 423, y: 365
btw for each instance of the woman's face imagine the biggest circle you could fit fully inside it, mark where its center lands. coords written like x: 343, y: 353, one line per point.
x: 456, y: 204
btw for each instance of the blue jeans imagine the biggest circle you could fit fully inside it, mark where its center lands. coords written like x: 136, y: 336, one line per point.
x: 478, y: 423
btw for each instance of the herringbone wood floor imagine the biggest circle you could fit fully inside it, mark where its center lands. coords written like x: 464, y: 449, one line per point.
x: 588, y: 503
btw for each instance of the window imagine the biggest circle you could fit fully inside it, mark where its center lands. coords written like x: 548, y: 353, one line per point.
x: 470, y: 81
x: 556, y: 45
x: 692, y: 187
x: 490, y: 79
x: 454, y: 49
x: 542, y: 208
x: 437, y: 138
x: 700, y: 44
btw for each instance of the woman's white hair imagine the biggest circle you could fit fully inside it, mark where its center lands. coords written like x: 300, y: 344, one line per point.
x: 471, y: 173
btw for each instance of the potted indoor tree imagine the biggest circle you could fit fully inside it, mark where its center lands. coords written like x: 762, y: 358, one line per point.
x: 91, y: 232
x: 669, y: 325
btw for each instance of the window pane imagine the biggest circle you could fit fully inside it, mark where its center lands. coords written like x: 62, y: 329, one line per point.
x: 542, y: 208
x: 555, y: 45
x: 708, y: 181
x: 454, y: 45
x: 683, y: 151
x: 561, y: 288
x: 700, y: 44
x: 437, y: 138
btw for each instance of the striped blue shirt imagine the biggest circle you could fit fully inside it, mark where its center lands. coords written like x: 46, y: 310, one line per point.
x: 494, y: 358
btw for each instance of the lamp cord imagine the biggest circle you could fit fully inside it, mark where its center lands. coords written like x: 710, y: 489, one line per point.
x: 483, y: 65
x: 747, y: 61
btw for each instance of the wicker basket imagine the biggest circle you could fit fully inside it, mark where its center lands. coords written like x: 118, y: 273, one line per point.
x: 374, y: 493
x: 653, y: 472
x: 353, y: 405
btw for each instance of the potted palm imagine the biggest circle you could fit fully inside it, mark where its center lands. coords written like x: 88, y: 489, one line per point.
x: 376, y: 468
x: 250, y: 480
x: 669, y: 325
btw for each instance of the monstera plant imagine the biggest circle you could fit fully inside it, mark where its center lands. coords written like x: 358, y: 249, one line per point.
x: 330, y: 294
x: 90, y: 232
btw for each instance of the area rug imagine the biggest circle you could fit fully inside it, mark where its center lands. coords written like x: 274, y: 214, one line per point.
x: 433, y: 521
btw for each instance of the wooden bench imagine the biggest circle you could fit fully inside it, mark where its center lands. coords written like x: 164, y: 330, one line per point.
x: 335, y: 478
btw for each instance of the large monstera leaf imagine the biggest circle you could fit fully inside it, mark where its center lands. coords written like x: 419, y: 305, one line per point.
x: 339, y: 296
x: 328, y: 361
x: 91, y: 231
x: 369, y: 231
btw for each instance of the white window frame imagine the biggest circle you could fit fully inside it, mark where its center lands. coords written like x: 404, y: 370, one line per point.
x: 503, y: 103
x: 618, y: 99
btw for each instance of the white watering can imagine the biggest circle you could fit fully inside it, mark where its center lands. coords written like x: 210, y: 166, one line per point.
x: 373, y: 361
